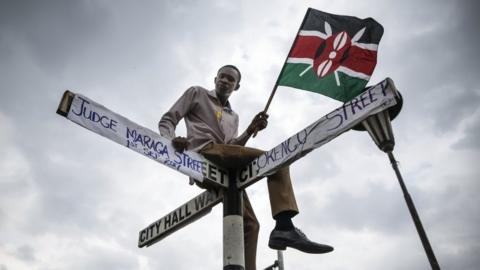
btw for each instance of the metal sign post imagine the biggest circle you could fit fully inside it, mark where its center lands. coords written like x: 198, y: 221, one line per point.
x: 233, y: 239
x: 228, y: 185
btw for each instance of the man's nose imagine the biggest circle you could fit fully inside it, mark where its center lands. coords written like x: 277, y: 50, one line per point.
x: 224, y: 80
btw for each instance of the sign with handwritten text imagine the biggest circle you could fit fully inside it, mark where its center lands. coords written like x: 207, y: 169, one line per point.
x: 375, y: 99
x: 101, y: 120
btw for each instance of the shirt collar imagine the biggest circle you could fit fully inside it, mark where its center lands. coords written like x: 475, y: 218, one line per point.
x: 213, y: 94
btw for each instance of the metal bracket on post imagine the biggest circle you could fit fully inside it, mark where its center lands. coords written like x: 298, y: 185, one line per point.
x: 233, y: 241
x: 65, y: 103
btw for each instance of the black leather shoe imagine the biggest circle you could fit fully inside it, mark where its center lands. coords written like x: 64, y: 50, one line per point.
x: 296, y: 239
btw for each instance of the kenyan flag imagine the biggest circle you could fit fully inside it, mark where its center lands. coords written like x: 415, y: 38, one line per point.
x: 332, y: 55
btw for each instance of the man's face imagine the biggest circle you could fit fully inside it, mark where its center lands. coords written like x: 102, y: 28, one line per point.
x: 226, y: 81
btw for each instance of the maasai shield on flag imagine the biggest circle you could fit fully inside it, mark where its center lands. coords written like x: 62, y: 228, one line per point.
x: 332, y: 55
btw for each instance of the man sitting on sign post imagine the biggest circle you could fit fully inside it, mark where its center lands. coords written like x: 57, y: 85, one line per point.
x: 212, y: 130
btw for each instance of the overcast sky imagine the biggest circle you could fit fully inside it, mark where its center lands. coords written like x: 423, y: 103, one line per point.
x: 70, y: 199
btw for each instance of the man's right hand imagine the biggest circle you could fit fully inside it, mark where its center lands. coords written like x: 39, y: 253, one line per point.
x: 259, y: 122
x: 180, y: 144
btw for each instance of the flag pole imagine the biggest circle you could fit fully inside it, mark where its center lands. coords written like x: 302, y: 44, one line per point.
x: 274, y: 90
x: 286, y: 59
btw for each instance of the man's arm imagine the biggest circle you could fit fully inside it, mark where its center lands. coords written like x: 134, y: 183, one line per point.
x: 258, y: 123
x: 172, y: 117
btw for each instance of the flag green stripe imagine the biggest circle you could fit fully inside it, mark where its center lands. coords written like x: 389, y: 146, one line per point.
x: 326, y: 86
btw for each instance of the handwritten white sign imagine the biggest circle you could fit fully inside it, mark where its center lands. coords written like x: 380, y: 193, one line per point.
x: 101, y: 120
x: 375, y: 99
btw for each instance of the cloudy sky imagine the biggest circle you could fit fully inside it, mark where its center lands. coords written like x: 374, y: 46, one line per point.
x: 70, y: 199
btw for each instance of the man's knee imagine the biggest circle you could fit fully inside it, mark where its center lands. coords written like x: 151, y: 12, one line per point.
x: 281, y: 174
x: 252, y: 227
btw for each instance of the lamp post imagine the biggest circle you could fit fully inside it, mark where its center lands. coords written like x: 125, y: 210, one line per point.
x: 380, y: 130
x: 278, y: 263
x: 280, y: 260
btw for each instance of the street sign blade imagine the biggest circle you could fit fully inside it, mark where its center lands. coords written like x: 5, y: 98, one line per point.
x: 179, y: 218
x: 97, y: 118
x: 375, y: 99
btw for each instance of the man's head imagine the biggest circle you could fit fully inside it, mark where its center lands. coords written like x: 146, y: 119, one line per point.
x: 227, y: 80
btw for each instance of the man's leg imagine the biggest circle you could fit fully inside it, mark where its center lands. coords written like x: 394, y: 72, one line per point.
x: 284, y: 207
x: 230, y: 156
x: 251, y: 228
x: 282, y: 198
x: 234, y: 156
x: 280, y: 191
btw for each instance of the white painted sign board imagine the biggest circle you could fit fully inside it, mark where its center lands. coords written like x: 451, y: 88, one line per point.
x: 97, y: 118
x: 374, y: 100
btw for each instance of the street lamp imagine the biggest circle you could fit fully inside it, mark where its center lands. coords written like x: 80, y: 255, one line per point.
x: 380, y: 130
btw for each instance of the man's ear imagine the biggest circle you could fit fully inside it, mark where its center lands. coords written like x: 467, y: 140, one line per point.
x: 238, y: 86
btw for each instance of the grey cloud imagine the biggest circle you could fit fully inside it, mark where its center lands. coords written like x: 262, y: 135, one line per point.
x: 380, y: 209
x: 324, y: 163
x: 470, y: 140
x: 469, y: 40
x: 457, y: 207
x: 100, y: 258
x: 3, y: 218
x: 26, y: 253
x: 466, y: 259
x: 455, y: 106
x: 429, y: 55
x: 53, y: 32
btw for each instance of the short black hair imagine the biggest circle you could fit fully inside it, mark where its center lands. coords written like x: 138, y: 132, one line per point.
x: 234, y: 67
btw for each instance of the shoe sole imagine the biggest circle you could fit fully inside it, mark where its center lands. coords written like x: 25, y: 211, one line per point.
x: 281, y: 245
x: 277, y: 245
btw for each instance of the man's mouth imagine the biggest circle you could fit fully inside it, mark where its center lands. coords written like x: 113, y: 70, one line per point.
x: 223, y: 85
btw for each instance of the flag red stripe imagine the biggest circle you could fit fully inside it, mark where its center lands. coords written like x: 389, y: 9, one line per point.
x: 305, y: 47
x: 361, y: 60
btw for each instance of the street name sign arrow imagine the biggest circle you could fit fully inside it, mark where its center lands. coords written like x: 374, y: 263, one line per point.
x: 179, y: 218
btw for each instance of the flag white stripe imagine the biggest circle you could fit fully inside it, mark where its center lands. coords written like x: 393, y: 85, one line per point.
x: 353, y: 73
x: 366, y: 46
x: 343, y: 69
x: 311, y: 33
x: 293, y: 60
